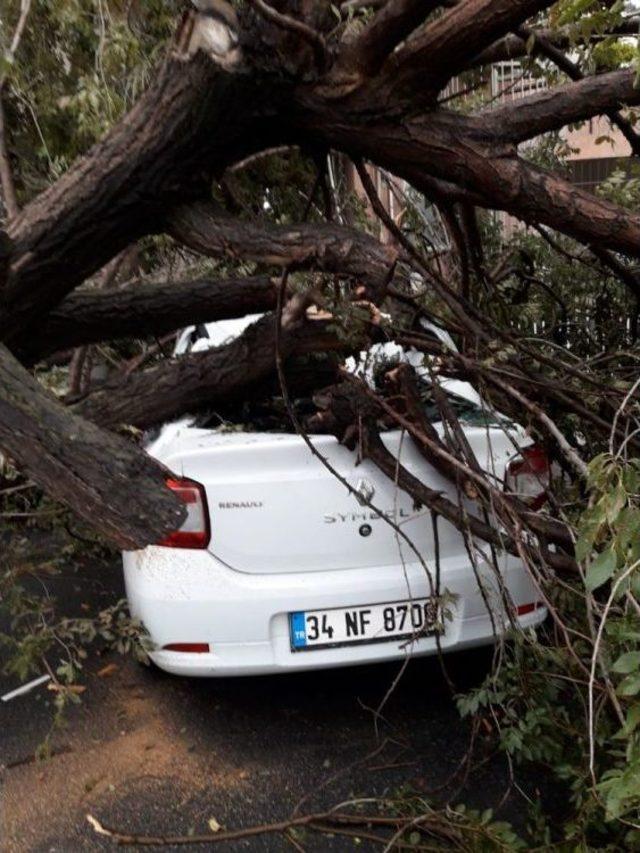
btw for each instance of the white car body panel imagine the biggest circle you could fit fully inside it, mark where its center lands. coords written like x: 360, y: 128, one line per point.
x: 286, y: 536
x: 275, y: 508
x: 189, y: 596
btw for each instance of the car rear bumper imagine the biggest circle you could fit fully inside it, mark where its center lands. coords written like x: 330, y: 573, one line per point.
x: 185, y: 596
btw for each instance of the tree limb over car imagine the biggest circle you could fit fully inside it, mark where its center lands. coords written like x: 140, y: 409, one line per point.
x: 373, y: 97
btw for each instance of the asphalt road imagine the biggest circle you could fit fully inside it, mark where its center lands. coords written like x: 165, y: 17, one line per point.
x: 150, y: 753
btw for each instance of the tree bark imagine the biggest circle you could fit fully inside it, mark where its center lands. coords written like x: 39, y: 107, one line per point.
x: 562, y: 105
x: 193, y: 382
x: 308, y: 246
x: 393, y: 23
x: 105, y: 479
x: 147, y: 309
x: 442, y: 49
x: 464, y: 151
x: 514, y: 46
x: 187, y: 125
x: 196, y: 120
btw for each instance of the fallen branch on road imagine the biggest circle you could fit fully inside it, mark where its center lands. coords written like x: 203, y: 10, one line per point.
x: 446, y: 826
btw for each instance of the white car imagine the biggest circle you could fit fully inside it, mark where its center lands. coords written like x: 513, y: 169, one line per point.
x: 279, y: 568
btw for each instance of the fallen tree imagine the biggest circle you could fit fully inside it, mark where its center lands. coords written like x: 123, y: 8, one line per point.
x: 93, y: 472
x: 329, y: 171
x: 291, y: 83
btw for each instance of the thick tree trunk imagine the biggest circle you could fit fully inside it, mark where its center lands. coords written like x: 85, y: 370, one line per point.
x: 193, y: 121
x: 105, y: 479
x: 148, y: 309
x: 196, y: 119
x: 193, y: 382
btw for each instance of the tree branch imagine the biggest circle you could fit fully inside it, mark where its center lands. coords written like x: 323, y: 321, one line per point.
x: 442, y: 50
x: 195, y: 381
x: 572, y: 70
x: 628, y: 276
x: 304, y: 31
x: 87, y: 317
x: 105, y: 479
x: 513, y: 46
x: 10, y: 55
x: 349, y: 412
x: 194, y: 119
x: 393, y: 23
x: 322, y: 247
x: 464, y: 151
x: 555, y: 108
x: 9, y: 197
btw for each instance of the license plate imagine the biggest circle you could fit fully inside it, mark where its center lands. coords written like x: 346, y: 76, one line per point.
x: 372, y: 623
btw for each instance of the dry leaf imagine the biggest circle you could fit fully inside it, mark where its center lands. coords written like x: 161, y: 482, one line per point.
x: 107, y: 670
x: 66, y: 688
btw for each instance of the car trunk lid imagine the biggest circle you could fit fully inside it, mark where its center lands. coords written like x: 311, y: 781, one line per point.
x: 275, y: 507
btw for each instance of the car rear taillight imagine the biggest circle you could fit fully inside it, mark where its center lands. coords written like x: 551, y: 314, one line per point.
x: 526, y: 609
x: 529, y: 476
x: 194, y: 532
x: 188, y: 648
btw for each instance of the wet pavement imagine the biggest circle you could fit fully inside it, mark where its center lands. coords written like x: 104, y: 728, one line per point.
x: 150, y: 753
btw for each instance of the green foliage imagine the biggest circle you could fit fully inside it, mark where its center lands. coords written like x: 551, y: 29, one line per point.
x: 586, y: 22
x: 611, y: 523
x: 551, y: 286
x: 38, y: 637
x: 611, y: 53
x: 586, y: 17
x: 539, y: 697
x: 623, y: 187
x: 67, y: 89
x: 455, y: 827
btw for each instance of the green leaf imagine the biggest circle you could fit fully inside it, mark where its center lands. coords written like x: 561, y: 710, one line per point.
x: 584, y: 545
x: 5, y: 65
x: 632, y: 721
x: 629, y: 686
x: 573, y: 10
x: 601, y: 569
x: 597, y: 468
x: 626, y: 663
x: 615, y: 503
x: 628, y: 526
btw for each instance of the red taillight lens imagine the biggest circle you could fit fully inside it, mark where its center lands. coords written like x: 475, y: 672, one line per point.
x: 189, y: 648
x: 529, y: 476
x: 194, y: 532
x: 525, y: 609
